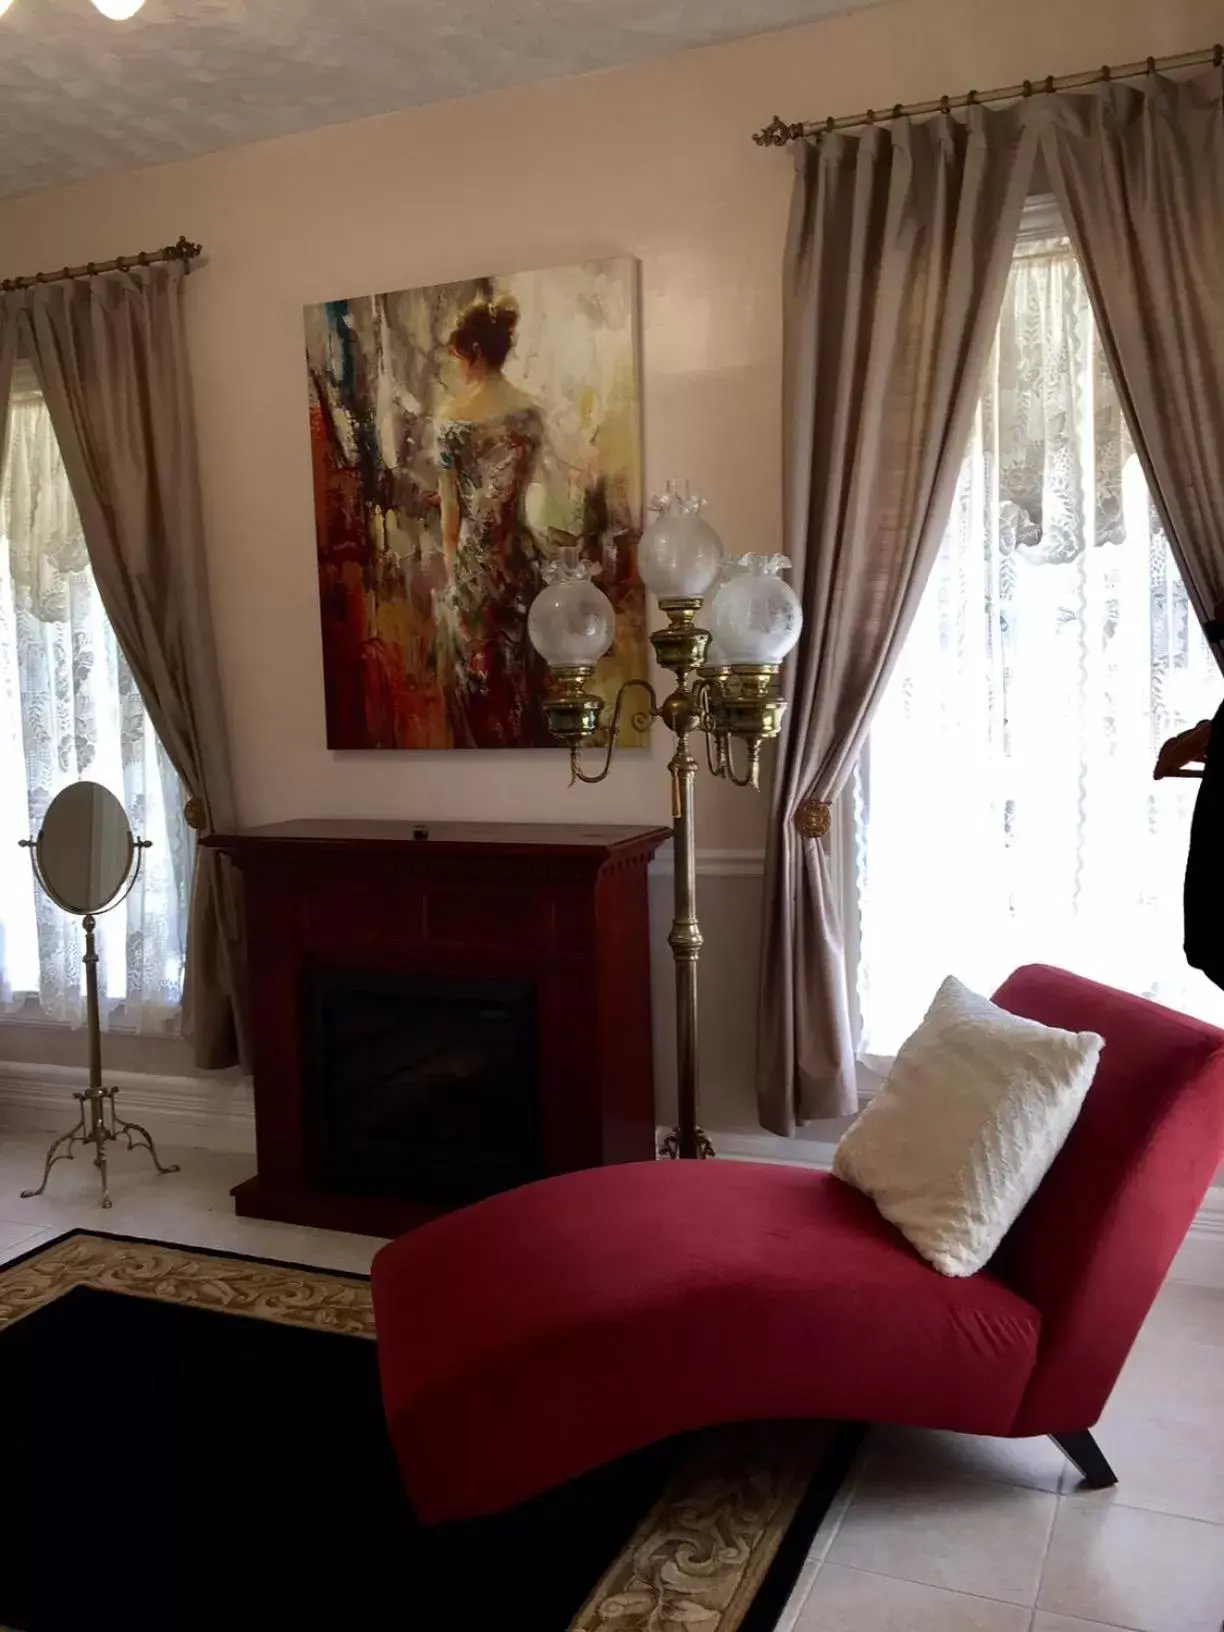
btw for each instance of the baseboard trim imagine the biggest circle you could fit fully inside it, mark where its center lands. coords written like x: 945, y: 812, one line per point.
x: 1201, y: 1259
x: 750, y: 1145
x: 217, y: 1115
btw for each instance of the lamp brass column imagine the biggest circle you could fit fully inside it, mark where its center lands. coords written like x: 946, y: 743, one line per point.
x: 724, y: 704
x: 727, y: 695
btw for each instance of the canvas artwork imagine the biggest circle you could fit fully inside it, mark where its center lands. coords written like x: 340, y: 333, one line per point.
x: 462, y: 435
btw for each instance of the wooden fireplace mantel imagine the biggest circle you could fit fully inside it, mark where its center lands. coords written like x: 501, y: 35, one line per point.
x: 562, y: 905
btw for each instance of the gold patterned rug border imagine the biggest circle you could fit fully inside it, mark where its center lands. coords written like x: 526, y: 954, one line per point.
x: 700, y: 1556
x: 697, y: 1558
x: 188, y: 1276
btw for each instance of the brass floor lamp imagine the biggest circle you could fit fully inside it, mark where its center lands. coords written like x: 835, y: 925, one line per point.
x: 726, y: 691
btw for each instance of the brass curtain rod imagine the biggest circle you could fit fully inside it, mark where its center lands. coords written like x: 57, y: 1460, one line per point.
x: 777, y: 133
x: 184, y: 251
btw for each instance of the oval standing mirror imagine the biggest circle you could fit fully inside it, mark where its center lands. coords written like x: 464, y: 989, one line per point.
x: 86, y: 859
x: 85, y: 848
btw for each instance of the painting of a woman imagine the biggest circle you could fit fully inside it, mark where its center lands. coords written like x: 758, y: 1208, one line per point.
x: 489, y: 435
x: 460, y: 433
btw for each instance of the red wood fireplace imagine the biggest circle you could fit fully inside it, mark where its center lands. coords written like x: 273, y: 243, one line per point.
x: 440, y: 1011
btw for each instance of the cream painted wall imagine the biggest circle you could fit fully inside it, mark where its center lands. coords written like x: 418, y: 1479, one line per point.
x: 655, y: 161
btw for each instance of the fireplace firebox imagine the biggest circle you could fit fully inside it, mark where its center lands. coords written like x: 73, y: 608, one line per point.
x: 439, y: 1012
x: 422, y: 1087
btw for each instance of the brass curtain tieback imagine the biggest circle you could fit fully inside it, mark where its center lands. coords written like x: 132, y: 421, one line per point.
x: 194, y: 816
x: 813, y: 819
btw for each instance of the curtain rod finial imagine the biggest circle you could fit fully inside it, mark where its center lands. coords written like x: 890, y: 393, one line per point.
x: 777, y: 133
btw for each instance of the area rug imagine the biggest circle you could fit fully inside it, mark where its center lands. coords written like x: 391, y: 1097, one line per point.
x: 195, y: 1440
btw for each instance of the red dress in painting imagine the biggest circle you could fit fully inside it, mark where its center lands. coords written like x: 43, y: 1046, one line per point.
x: 492, y: 676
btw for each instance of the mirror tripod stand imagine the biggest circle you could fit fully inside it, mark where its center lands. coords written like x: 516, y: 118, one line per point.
x: 87, y: 861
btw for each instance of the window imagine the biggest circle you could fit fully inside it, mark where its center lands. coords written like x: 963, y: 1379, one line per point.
x: 69, y: 709
x: 1004, y: 809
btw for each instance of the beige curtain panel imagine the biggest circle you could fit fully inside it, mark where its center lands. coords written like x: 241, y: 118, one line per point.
x: 111, y: 358
x: 1138, y: 170
x: 8, y: 361
x: 899, y: 245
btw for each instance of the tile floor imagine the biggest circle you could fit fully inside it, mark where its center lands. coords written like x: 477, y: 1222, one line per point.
x: 934, y: 1532
x: 192, y: 1206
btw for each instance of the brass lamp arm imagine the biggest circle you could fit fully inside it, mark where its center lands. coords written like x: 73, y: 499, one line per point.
x: 642, y: 721
x: 720, y: 732
x: 715, y: 738
x: 751, y: 777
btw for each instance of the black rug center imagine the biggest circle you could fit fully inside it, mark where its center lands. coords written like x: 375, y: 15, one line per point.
x: 174, y: 1468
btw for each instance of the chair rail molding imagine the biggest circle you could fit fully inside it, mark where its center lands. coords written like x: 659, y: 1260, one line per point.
x: 715, y: 863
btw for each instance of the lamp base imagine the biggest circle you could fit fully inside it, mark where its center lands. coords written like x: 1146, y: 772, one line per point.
x: 669, y: 1146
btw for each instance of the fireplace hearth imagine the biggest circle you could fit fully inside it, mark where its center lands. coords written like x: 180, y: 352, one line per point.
x: 439, y: 1013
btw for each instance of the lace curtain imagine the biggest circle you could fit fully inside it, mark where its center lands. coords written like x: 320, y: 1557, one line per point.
x: 71, y: 710
x: 1004, y: 810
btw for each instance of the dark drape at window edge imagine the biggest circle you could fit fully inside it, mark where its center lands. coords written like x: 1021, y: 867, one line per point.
x: 899, y: 242
x: 8, y: 362
x: 110, y: 356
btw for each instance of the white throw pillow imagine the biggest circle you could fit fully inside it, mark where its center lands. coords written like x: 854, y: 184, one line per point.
x: 975, y: 1109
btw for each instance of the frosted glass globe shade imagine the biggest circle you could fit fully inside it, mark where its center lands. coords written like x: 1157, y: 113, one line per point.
x: 4, y: 5
x: 118, y: 10
x: 755, y: 616
x: 571, y: 622
x: 680, y: 555
x: 716, y: 658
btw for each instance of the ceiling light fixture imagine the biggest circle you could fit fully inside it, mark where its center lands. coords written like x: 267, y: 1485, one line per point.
x: 117, y: 10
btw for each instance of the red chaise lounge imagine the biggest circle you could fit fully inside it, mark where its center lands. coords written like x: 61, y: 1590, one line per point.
x: 551, y: 1329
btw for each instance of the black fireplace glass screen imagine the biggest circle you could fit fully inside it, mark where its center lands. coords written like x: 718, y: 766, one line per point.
x: 422, y: 1088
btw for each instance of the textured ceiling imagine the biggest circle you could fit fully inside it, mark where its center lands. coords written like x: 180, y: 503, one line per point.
x: 80, y: 95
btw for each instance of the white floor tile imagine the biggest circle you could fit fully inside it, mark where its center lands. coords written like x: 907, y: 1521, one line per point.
x: 1135, y: 1569
x: 961, y: 1533
x: 843, y: 1600
x: 1186, y: 1314
x: 17, y: 1238
x: 1044, y: 1622
x: 1178, y: 1381
x: 1168, y: 1467
x: 1037, y: 1464
x: 192, y: 1207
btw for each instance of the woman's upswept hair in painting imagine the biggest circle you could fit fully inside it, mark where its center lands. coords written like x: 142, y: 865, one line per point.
x: 485, y: 331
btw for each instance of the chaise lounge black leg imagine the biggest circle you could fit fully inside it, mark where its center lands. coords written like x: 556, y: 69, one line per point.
x: 1084, y: 1452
